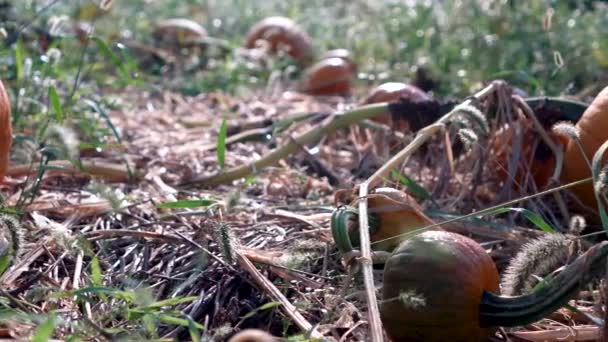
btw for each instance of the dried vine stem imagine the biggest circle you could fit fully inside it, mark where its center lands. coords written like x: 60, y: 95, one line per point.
x: 289, y: 309
x: 108, y: 171
x: 557, y: 151
x: 330, y: 125
x: 422, y: 136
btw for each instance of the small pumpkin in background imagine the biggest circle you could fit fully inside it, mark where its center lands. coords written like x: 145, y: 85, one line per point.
x: 282, y: 33
x: 441, y: 286
x: 593, y: 132
x: 392, y: 214
x: 331, y: 76
x: 6, y: 131
x: 393, y: 91
x: 343, y: 54
x: 179, y: 33
x: 253, y: 335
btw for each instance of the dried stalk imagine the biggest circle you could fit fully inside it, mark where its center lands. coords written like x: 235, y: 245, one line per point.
x: 275, y: 294
x: 330, y: 125
x: 108, y: 171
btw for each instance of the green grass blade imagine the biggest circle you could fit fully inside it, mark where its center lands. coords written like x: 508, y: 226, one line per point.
x: 56, y: 104
x: 533, y: 217
x: 44, y: 332
x: 221, y: 143
x: 96, y: 275
x: 186, y: 204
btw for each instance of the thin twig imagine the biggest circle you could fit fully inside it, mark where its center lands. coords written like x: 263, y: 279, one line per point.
x: 289, y: 309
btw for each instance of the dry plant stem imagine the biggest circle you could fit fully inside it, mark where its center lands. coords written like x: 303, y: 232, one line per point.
x: 107, y: 171
x: 332, y: 124
x: 275, y: 294
x: 422, y: 136
x: 375, y: 324
x: 559, y: 154
x: 557, y: 151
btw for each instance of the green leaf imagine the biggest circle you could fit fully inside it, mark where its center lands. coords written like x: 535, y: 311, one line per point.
x: 19, y: 59
x: 119, y: 294
x: 195, y: 334
x: 187, y: 204
x: 533, y: 217
x: 56, y: 103
x: 96, y: 276
x: 99, y: 110
x: 5, y: 262
x: 168, y: 302
x: 412, y: 187
x: 44, y: 332
x: 596, y: 168
x: 177, y: 321
x: 267, y: 306
x: 221, y: 143
x: 122, y: 70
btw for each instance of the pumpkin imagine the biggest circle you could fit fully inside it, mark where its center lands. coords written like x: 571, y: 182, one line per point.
x: 332, y: 76
x: 6, y: 131
x: 282, y: 33
x: 540, y: 162
x: 253, y: 335
x: 178, y: 33
x: 341, y: 53
x: 592, y: 134
x: 441, y: 286
x: 393, y: 91
x: 392, y: 213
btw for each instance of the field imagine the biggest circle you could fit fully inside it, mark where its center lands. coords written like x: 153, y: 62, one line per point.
x: 156, y: 193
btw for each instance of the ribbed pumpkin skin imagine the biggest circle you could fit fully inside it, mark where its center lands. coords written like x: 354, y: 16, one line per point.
x: 332, y: 76
x: 450, y: 273
x: 6, y: 131
x: 593, y: 128
x: 392, y: 91
x: 282, y: 31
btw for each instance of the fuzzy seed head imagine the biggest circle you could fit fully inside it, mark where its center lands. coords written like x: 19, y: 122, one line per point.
x: 536, y: 258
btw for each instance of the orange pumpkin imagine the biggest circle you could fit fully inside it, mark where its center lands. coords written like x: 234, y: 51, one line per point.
x: 282, y: 33
x: 443, y: 275
x: 592, y: 135
x: 6, y: 131
x: 393, y: 91
x: 178, y: 32
x: 341, y: 53
x: 332, y: 76
x: 441, y: 286
x: 253, y: 335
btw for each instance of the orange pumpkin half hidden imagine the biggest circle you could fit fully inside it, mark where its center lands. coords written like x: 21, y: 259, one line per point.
x: 6, y: 130
x: 593, y: 132
x: 331, y: 76
x: 392, y: 91
x: 281, y: 32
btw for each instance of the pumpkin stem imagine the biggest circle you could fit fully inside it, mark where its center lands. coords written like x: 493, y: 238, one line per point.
x: 340, y: 219
x: 506, y: 311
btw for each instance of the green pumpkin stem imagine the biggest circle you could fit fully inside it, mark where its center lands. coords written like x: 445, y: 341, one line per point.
x: 340, y: 219
x: 505, y: 311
